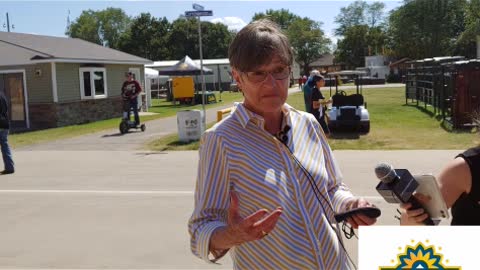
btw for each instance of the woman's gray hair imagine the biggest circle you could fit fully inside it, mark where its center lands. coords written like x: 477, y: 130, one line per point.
x: 256, y: 44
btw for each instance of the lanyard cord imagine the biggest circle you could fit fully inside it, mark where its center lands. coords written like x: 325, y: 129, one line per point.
x: 282, y: 137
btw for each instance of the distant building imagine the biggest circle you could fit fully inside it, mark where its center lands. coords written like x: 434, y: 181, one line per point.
x: 377, y: 66
x: 220, y: 79
x: 398, y: 70
x: 222, y: 72
x: 326, y: 63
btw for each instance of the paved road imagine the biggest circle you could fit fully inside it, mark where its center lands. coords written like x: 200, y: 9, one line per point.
x: 129, y: 209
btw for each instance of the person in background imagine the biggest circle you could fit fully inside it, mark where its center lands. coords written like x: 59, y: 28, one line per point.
x: 304, y: 80
x: 130, y: 91
x: 459, y: 182
x: 307, y: 91
x: 319, y: 102
x: 267, y: 182
x: 9, y: 166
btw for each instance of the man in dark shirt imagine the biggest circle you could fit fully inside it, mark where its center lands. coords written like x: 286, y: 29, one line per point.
x: 130, y: 91
x: 4, y: 130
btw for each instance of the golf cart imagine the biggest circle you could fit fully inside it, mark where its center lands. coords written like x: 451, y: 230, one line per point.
x: 349, y: 112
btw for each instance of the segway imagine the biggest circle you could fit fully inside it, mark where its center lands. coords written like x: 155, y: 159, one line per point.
x: 126, y: 123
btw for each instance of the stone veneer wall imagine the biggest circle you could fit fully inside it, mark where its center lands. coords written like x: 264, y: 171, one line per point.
x: 86, y: 111
x: 71, y: 113
x: 42, y: 116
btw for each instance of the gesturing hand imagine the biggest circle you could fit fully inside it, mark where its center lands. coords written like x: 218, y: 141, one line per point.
x: 253, y: 227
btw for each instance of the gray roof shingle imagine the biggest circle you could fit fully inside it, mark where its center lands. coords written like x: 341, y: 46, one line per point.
x: 59, y: 49
x: 324, y: 60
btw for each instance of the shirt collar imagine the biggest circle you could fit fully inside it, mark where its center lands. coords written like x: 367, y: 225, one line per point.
x: 245, y: 116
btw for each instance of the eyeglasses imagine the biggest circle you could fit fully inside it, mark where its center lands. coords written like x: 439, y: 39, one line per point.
x: 279, y: 73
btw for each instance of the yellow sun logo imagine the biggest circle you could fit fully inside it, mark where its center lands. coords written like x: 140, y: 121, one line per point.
x: 420, y: 257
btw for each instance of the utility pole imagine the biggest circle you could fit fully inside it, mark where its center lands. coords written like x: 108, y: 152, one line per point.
x: 8, y: 24
x: 68, y: 21
x: 478, y: 46
x: 199, y: 12
x: 201, y: 71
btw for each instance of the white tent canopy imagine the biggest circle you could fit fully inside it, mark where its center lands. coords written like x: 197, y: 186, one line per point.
x: 151, y: 76
x: 151, y: 73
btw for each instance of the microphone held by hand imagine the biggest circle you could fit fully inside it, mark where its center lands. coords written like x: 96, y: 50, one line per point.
x: 398, y: 186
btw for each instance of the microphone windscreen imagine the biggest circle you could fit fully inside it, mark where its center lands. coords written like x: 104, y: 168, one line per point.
x: 385, y: 172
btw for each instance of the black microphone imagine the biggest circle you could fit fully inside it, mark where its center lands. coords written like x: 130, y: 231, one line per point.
x: 282, y: 135
x: 397, y: 186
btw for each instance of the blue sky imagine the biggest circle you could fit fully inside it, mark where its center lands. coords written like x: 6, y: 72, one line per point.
x: 50, y: 17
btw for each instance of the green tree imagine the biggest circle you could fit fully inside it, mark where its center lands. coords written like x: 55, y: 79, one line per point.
x: 305, y: 35
x: 362, y: 30
x: 86, y: 27
x: 183, y: 39
x: 147, y: 37
x: 426, y: 28
x: 308, y: 41
x: 352, y: 49
x: 216, y: 39
x: 113, y: 23
x: 282, y: 17
x: 467, y: 42
x: 351, y: 15
x: 375, y: 14
x: 376, y: 40
x: 101, y: 27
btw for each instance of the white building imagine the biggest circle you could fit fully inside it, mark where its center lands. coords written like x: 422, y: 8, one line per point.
x: 222, y: 72
x: 220, y: 79
x: 377, y: 66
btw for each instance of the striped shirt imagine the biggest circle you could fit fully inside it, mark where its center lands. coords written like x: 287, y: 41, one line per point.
x: 239, y: 154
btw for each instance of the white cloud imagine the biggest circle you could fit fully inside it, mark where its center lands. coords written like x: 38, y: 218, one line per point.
x: 333, y: 39
x: 233, y: 23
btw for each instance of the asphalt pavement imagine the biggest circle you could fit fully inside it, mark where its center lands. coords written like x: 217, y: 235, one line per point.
x: 100, y: 201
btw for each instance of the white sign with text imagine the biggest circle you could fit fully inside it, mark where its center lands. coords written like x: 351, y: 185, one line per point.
x: 418, y: 247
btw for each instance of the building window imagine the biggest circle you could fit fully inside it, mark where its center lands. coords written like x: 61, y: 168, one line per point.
x: 93, y: 83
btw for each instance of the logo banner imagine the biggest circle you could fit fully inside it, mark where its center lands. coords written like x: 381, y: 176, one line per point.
x: 418, y: 247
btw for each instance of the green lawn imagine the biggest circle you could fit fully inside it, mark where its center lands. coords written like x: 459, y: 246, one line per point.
x: 166, y: 108
x: 160, y: 106
x: 394, y: 125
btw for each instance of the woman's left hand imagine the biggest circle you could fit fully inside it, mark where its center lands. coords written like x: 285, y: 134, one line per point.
x: 360, y: 219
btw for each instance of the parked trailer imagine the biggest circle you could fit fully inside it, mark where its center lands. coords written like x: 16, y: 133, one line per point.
x: 462, y: 90
x: 451, y: 85
x: 425, y: 82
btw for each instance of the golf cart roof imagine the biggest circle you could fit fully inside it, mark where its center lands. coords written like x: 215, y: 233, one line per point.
x: 348, y: 72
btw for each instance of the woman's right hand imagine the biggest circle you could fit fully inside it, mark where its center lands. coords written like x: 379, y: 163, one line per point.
x: 240, y: 230
x: 414, y: 217
x: 254, y: 227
